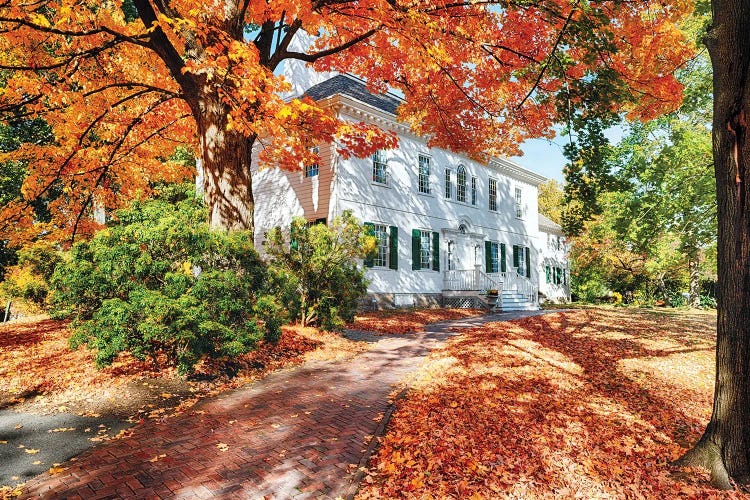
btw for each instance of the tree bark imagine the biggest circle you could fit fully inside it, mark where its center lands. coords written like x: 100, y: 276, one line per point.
x: 227, y: 180
x: 725, y: 445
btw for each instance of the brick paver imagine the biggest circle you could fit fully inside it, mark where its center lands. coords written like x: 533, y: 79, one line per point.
x: 298, y: 433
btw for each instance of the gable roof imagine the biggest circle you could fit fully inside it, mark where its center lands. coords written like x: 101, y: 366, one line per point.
x: 547, y: 225
x: 346, y: 85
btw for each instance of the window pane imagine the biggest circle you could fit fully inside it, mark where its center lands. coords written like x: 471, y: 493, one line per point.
x: 473, y: 190
x: 312, y: 169
x: 519, y: 206
x: 493, y: 195
x: 379, y: 168
x: 424, y: 174
x: 426, y: 250
x: 381, y: 233
x: 448, y: 190
x: 461, y: 184
x: 494, y: 258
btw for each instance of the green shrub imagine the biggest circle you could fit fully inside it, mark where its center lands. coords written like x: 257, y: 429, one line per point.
x: 315, y: 271
x: 159, y: 282
x: 707, y: 302
x: 268, y: 309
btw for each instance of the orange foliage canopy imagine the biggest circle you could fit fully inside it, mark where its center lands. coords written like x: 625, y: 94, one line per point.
x: 122, y: 83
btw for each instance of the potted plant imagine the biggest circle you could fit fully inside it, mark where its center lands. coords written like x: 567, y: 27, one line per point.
x: 492, y: 296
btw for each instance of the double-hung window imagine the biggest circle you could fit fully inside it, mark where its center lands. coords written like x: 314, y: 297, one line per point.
x: 379, y: 167
x: 381, y: 233
x: 519, y: 204
x: 424, y: 174
x: 386, y: 244
x: 461, y: 184
x: 494, y: 257
x: 493, y: 195
x: 555, y: 275
x: 474, y: 191
x: 312, y: 169
x: 448, y: 184
x: 425, y: 250
x: 522, y: 260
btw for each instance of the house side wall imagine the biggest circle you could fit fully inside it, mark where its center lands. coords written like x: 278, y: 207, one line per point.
x: 553, y: 255
x: 281, y: 195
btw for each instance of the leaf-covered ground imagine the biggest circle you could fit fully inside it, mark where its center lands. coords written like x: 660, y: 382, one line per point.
x: 579, y: 404
x: 39, y: 372
x: 407, y: 320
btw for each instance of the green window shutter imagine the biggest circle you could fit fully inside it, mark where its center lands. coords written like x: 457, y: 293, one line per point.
x: 488, y: 256
x: 416, y: 249
x: 515, y: 256
x: 503, y: 266
x: 547, y: 274
x: 370, y: 231
x: 393, y: 248
x: 528, y: 262
x: 435, y: 251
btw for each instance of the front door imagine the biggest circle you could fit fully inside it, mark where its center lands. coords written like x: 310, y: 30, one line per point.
x: 463, y: 252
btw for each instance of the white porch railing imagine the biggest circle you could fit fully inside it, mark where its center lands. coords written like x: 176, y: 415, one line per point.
x: 460, y: 280
x: 513, y: 281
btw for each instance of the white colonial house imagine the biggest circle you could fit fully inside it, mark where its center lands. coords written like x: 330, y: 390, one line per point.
x: 451, y: 230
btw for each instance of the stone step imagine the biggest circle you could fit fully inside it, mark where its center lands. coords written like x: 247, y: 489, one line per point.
x: 528, y: 306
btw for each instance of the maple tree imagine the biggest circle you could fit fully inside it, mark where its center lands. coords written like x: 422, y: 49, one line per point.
x: 122, y: 82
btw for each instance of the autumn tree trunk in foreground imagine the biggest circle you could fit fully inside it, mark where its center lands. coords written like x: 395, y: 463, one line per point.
x: 227, y: 180
x: 724, y: 447
x: 225, y: 152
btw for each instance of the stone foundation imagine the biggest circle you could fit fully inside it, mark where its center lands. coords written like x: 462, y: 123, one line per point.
x: 375, y: 301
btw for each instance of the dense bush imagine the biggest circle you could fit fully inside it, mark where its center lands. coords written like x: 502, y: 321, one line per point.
x: 159, y: 282
x: 315, y: 272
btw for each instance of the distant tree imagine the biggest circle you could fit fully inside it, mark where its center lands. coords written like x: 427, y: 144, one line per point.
x: 665, y: 176
x: 551, y: 197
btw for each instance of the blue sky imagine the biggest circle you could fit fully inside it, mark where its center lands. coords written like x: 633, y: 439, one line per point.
x: 543, y: 157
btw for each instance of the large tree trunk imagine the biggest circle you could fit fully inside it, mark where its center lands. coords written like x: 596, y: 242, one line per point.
x: 724, y: 447
x: 227, y: 180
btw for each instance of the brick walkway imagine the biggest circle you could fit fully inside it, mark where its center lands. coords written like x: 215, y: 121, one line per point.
x: 292, y: 435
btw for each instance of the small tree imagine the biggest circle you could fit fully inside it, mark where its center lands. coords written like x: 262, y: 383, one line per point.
x: 316, y: 269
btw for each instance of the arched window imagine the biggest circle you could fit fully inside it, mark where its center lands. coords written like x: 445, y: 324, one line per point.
x: 461, y: 184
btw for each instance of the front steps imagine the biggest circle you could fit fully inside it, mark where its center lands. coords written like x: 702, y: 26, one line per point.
x: 509, y: 300
x: 514, y: 301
